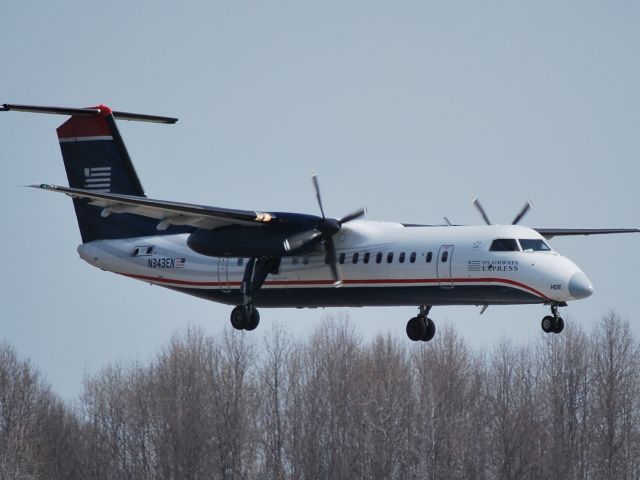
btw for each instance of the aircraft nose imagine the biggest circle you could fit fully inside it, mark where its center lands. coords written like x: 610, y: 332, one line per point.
x: 580, y: 286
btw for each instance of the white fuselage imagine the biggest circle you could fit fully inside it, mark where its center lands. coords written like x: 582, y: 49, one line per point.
x: 381, y: 264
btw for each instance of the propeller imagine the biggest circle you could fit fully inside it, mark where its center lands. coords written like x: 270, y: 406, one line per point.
x: 523, y: 211
x: 476, y: 203
x: 324, y: 230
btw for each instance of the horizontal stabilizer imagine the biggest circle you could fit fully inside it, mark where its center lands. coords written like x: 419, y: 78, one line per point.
x: 87, y: 112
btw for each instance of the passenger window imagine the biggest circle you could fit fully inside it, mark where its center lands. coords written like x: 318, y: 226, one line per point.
x: 401, y: 257
x: 365, y: 257
x: 429, y: 257
x: 294, y: 260
x: 504, y: 245
x: 379, y: 257
x: 341, y: 258
x: 445, y: 256
x: 240, y: 261
x: 305, y: 260
x: 389, y: 257
x: 412, y: 257
x: 354, y: 259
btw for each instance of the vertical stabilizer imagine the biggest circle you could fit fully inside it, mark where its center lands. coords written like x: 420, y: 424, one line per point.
x: 96, y: 159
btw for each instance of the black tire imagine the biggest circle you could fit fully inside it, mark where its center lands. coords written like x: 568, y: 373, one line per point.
x: 559, y: 325
x: 548, y: 324
x: 254, y: 320
x: 430, y: 330
x: 239, y: 317
x: 416, y: 328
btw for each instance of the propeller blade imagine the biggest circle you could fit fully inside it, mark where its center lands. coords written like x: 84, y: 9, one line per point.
x: 522, y: 213
x: 299, y: 240
x: 352, y: 216
x: 476, y: 203
x: 316, y: 186
x: 330, y: 248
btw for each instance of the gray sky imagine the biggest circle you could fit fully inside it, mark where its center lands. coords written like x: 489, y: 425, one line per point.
x: 407, y: 108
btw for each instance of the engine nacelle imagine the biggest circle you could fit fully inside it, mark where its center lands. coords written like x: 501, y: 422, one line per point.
x: 239, y: 242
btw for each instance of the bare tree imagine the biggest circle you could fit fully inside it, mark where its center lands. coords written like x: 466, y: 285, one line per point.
x: 566, y: 365
x: 273, y: 383
x: 385, y: 400
x: 38, y: 432
x: 334, y: 406
x: 515, y: 404
x: 446, y: 412
x: 616, y: 389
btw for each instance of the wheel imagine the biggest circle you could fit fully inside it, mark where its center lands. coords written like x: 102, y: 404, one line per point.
x: 239, y: 317
x: 416, y: 328
x: 430, y: 330
x: 548, y: 323
x: 254, y: 320
x: 559, y: 325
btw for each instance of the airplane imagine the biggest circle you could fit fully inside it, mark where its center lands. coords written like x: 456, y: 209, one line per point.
x: 250, y: 259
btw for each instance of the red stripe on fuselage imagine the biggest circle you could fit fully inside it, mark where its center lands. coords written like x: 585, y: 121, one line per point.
x: 312, y: 283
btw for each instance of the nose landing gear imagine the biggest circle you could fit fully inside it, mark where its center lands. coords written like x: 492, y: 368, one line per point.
x: 421, y: 327
x: 553, y: 323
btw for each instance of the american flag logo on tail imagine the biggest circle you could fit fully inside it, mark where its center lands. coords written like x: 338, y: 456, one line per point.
x: 97, y: 179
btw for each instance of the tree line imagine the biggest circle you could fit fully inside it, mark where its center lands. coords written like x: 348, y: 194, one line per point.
x: 337, y: 406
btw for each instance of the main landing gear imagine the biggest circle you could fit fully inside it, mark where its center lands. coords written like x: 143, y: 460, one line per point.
x: 553, y: 323
x: 246, y: 316
x: 421, y: 327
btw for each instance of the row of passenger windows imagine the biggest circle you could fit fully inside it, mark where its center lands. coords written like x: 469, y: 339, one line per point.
x: 378, y: 257
x: 366, y: 258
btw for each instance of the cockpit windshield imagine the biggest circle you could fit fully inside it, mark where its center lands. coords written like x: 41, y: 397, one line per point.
x: 534, y: 245
x: 504, y: 245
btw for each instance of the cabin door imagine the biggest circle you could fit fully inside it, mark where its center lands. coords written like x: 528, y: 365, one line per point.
x: 445, y: 255
x: 223, y: 274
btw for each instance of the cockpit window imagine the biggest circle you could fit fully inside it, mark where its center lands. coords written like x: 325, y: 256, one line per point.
x: 504, y: 245
x: 534, y: 245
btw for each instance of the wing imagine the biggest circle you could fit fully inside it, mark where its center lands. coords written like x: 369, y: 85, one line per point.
x: 565, y: 232
x: 168, y: 213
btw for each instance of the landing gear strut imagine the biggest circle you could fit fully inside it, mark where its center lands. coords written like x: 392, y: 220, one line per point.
x: 421, y: 327
x: 553, y: 323
x: 246, y: 316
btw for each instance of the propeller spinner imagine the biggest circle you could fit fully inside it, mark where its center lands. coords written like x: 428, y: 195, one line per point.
x: 324, y: 230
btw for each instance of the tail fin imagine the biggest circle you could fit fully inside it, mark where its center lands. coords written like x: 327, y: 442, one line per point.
x: 96, y: 159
